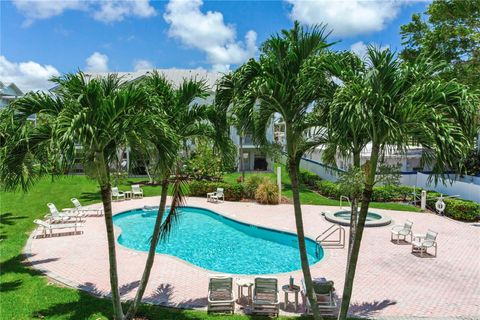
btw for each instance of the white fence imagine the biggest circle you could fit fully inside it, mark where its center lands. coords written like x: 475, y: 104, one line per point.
x: 466, y: 187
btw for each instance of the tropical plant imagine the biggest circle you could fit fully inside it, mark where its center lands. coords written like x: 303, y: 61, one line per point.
x: 186, y: 119
x: 395, y: 104
x: 267, y: 192
x: 273, y: 82
x: 82, y: 112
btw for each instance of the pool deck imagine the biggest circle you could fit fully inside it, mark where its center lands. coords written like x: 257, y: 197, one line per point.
x: 391, y: 282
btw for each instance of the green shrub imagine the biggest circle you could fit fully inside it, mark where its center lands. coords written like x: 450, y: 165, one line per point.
x: 392, y: 193
x: 309, y: 178
x: 329, y: 189
x: 251, y: 184
x: 457, y: 209
x: 267, y: 192
x: 232, y: 191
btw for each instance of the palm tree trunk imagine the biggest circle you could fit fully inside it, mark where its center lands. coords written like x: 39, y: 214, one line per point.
x: 293, y: 173
x: 242, y: 169
x: 352, y: 263
x: 112, y: 257
x: 354, y: 210
x: 151, y: 254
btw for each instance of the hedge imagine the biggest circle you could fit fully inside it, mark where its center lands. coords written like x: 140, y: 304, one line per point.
x: 309, y: 178
x: 458, y: 209
x: 232, y: 192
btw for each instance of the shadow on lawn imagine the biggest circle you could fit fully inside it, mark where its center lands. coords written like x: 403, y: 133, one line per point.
x: 8, y: 219
x: 90, y: 196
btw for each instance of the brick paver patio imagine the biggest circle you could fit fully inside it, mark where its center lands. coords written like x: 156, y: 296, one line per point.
x: 391, y: 282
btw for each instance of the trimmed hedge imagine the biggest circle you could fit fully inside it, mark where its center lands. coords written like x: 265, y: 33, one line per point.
x: 309, y: 178
x: 232, y: 192
x: 457, y: 209
x: 380, y: 194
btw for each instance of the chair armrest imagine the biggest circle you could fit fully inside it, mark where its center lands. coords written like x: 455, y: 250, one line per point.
x: 397, y: 228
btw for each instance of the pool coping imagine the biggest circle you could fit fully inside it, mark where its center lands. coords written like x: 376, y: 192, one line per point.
x: 383, y: 221
x: 119, y: 231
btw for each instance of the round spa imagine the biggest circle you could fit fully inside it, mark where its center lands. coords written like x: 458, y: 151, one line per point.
x: 374, y: 219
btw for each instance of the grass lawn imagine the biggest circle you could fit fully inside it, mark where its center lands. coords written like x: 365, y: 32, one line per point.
x: 308, y: 196
x: 24, y: 293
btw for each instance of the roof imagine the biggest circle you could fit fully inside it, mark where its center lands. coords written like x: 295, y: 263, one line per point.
x: 10, y: 90
x: 175, y: 76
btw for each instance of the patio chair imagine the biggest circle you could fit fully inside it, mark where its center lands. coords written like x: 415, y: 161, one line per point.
x: 265, y: 296
x: 326, y: 303
x: 56, y: 216
x: 117, y: 194
x: 401, y: 231
x: 215, y: 196
x: 220, y: 294
x: 137, y: 192
x: 49, y: 226
x: 422, y: 243
x: 87, y: 211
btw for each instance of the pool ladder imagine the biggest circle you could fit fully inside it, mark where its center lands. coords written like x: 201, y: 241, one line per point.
x: 332, y: 238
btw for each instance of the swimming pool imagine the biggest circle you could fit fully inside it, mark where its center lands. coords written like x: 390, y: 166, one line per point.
x: 214, y: 242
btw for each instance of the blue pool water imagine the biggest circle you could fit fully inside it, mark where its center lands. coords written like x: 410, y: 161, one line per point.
x: 216, y: 243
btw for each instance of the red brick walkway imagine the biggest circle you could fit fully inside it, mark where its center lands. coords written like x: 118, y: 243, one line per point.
x: 390, y: 283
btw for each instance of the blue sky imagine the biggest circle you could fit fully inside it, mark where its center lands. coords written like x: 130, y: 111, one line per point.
x: 42, y: 38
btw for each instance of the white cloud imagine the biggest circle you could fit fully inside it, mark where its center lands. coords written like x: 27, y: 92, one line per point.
x: 209, y: 33
x: 28, y: 75
x: 112, y: 11
x: 142, y: 65
x: 347, y: 18
x: 360, y: 48
x: 97, y: 62
x: 105, y: 11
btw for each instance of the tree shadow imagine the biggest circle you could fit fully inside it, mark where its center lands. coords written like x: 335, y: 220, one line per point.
x: 90, y: 196
x: 368, y: 309
x: 10, y: 285
x: 9, y: 219
x: 79, y: 309
x: 163, y: 295
x: 126, y: 288
x: 19, y: 264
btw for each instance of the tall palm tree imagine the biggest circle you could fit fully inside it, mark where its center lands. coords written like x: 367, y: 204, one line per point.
x: 395, y: 104
x: 93, y: 114
x: 187, y: 119
x: 274, y: 82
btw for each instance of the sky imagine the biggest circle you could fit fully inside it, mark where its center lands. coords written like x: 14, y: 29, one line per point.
x: 40, y: 38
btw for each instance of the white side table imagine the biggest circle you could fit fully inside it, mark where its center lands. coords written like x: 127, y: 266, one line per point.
x: 287, y: 290
x: 244, y: 283
x: 128, y: 195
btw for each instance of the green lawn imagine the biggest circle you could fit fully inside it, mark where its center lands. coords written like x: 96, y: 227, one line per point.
x: 25, y: 294
x: 308, y: 196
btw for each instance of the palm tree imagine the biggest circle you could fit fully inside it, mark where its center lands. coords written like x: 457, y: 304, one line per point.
x: 395, y: 104
x: 93, y: 114
x: 274, y: 89
x: 187, y: 119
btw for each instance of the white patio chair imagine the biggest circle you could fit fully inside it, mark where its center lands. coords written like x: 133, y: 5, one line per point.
x: 402, y: 231
x: 87, y: 211
x: 117, y: 194
x: 56, y: 216
x: 50, y: 227
x: 220, y: 294
x: 137, y: 192
x: 217, y: 195
x: 424, y: 242
x: 265, y: 296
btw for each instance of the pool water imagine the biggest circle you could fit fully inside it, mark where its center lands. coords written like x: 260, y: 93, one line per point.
x: 346, y: 215
x: 213, y: 242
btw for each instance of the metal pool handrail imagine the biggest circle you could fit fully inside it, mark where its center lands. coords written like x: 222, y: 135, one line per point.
x: 348, y: 200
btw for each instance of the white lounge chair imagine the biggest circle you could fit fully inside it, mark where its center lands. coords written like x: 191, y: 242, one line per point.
x: 265, y: 296
x: 137, y: 192
x: 220, y: 294
x: 87, y: 211
x: 64, y: 216
x: 423, y: 242
x: 215, y: 196
x: 402, y: 231
x: 117, y: 194
x: 49, y: 226
x: 326, y: 303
